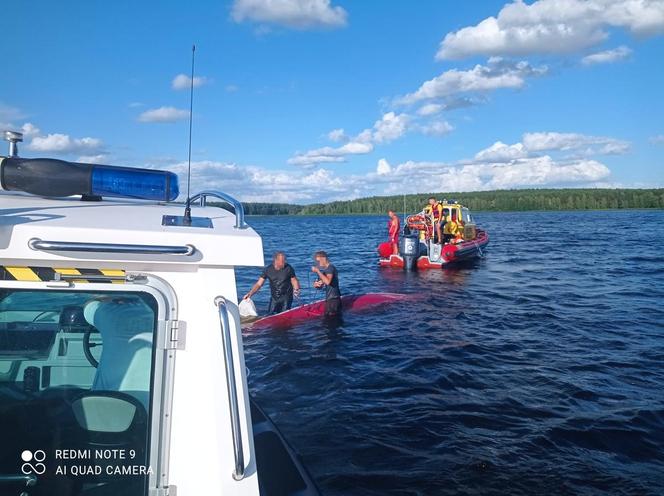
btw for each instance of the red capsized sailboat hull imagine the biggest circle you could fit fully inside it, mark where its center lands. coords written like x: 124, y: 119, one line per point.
x: 349, y: 303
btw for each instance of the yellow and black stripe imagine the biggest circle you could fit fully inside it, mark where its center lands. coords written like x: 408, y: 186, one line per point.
x: 36, y: 274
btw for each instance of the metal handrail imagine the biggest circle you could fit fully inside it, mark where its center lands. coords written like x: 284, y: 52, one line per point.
x: 99, y: 277
x: 30, y: 480
x: 42, y: 245
x: 237, y: 205
x: 222, y: 305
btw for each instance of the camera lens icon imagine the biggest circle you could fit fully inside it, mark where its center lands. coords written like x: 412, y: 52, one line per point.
x: 38, y: 456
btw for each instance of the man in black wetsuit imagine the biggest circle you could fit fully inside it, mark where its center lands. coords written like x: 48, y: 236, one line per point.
x: 283, y: 284
x: 328, y: 278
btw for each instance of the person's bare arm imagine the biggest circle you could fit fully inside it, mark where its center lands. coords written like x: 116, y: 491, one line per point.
x: 296, y: 285
x: 255, y: 288
x: 326, y: 278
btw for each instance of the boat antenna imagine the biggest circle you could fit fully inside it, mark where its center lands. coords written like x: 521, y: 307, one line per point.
x: 187, y: 208
x: 404, y: 208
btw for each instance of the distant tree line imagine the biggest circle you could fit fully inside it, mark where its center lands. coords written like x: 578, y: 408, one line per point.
x: 495, y: 201
x: 264, y: 208
x: 272, y: 209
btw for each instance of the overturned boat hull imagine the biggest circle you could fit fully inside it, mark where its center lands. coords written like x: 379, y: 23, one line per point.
x: 303, y: 313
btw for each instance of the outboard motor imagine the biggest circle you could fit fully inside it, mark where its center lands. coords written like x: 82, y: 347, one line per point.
x: 409, y: 249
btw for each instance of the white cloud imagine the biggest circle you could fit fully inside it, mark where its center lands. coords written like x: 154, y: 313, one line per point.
x: 611, y: 147
x: 504, y: 166
x: 329, y: 154
x: 552, y: 27
x: 288, y: 186
x: 657, y: 140
x: 9, y: 113
x: 573, y: 141
x: 430, y: 109
x: 93, y: 159
x: 337, y: 135
x: 183, y: 82
x: 252, y: 183
x: 29, y: 130
x: 498, y: 73
x: 231, y: 88
x: 63, y: 143
x: 535, y: 143
x: 163, y: 114
x: 325, y: 155
x: 640, y: 17
x: 136, y: 105
x: 524, y: 172
x: 479, y: 175
x: 500, y: 152
x: 607, y: 56
x: 355, y: 147
x: 55, y: 143
x: 390, y: 127
x: 383, y: 167
x: 500, y: 166
x: 297, y: 14
x: 544, y: 170
x: 463, y: 102
x: 436, y: 128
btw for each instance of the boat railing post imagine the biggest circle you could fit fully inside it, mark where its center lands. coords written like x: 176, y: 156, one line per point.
x: 222, y: 306
x: 236, y: 204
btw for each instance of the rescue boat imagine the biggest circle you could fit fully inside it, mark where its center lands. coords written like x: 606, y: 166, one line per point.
x: 419, y: 250
x: 104, y: 285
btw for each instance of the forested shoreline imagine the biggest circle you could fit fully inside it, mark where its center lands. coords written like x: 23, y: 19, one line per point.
x: 489, y: 201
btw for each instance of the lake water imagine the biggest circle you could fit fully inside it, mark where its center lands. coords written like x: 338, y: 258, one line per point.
x: 536, y: 370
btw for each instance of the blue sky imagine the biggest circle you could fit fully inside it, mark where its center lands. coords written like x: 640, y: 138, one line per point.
x: 316, y: 100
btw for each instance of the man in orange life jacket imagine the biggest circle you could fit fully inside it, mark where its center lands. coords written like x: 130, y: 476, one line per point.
x: 435, y: 211
x: 393, y: 231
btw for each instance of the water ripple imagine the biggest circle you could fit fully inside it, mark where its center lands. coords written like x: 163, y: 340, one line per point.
x: 534, y: 371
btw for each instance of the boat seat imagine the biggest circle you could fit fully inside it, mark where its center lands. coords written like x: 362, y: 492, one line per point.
x: 126, y: 327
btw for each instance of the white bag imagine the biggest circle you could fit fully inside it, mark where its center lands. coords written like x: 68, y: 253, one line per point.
x: 435, y: 252
x: 247, y: 308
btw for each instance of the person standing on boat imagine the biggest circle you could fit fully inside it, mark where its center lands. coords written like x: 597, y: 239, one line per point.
x: 393, y: 227
x: 328, y: 278
x: 434, y: 210
x: 283, y: 284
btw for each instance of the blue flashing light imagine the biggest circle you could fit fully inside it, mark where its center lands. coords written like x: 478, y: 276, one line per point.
x: 125, y: 182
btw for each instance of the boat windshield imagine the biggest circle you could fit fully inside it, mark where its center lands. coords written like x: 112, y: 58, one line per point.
x: 76, y: 374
